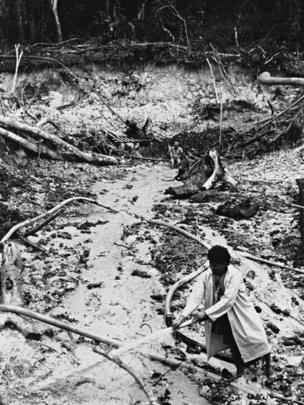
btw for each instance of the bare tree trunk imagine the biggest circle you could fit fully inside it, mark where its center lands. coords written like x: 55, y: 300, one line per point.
x: 54, y: 5
x: 30, y: 146
x: 43, y: 150
x: 37, y: 132
x: 266, y: 78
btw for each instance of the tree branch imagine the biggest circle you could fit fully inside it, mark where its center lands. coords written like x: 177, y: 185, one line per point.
x: 50, y: 212
x: 128, y: 369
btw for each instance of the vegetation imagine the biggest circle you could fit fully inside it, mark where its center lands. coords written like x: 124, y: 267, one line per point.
x: 191, y: 23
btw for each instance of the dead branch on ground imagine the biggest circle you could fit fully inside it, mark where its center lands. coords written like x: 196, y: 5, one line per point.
x: 152, y: 356
x: 37, y: 228
x: 207, y: 246
x: 179, y: 230
x: 48, y: 120
x: 33, y: 245
x: 90, y: 335
x: 48, y: 213
x: 152, y: 399
x: 54, y: 322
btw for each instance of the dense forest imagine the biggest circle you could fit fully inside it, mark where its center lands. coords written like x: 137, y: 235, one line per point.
x: 192, y: 23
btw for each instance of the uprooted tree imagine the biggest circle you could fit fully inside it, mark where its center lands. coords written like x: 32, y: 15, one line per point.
x: 201, y: 176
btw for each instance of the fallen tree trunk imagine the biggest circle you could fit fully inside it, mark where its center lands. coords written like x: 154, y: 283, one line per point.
x: 54, y: 322
x: 266, y: 78
x: 39, y: 133
x: 152, y: 356
x: 30, y: 146
x: 90, y: 335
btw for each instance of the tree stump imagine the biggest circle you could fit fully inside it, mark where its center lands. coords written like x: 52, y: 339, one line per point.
x: 11, y: 291
x: 203, y: 175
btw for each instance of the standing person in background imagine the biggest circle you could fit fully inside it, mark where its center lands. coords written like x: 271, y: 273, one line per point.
x: 176, y: 153
x: 231, y: 320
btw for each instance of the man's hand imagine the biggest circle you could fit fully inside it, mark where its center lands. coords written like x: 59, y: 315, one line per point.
x: 178, y: 321
x: 200, y: 316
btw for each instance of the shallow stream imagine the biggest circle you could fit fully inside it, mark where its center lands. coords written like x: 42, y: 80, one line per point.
x: 121, y: 307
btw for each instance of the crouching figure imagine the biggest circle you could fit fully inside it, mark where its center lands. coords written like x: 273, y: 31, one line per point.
x: 231, y: 321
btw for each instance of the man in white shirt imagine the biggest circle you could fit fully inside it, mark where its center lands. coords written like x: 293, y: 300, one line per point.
x: 231, y: 320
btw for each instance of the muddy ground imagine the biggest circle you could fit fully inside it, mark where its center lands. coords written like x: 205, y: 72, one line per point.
x: 109, y: 273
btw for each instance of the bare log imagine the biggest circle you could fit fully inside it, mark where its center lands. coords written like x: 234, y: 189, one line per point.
x: 30, y: 146
x: 153, y: 356
x: 39, y: 133
x: 62, y: 325
x: 50, y: 212
x: 90, y: 335
x: 266, y: 78
x: 151, y: 398
x: 269, y: 262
